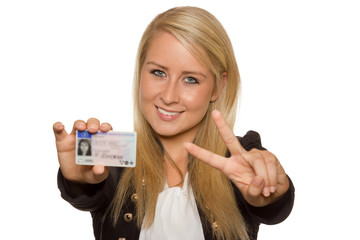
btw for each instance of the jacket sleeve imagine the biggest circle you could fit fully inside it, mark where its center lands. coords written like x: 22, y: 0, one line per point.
x: 89, y: 197
x: 273, y: 213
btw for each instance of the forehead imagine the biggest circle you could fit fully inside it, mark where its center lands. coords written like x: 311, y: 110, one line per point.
x: 166, y: 48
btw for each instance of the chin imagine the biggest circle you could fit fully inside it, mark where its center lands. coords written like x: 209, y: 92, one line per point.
x: 166, y: 133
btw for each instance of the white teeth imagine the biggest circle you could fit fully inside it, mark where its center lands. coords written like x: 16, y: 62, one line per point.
x: 167, y: 113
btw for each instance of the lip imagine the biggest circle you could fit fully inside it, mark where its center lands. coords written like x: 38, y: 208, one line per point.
x: 168, y: 117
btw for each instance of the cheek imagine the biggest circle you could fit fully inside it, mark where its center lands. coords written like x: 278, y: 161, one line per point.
x: 147, y: 85
x: 147, y: 92
x: 143, y: 91
x: 197, y: 100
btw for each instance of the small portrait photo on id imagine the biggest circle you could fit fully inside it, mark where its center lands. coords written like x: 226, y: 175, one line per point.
x: 84, y: 148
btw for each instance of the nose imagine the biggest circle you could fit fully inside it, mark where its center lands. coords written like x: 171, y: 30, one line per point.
x: 170, y: 93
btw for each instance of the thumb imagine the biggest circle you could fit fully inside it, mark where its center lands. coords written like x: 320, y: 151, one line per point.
x: 59, y: 131
x: 100, y: 173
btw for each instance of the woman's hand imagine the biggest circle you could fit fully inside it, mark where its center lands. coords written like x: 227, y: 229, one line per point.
x: 257, y: 174
x: 65, y: 144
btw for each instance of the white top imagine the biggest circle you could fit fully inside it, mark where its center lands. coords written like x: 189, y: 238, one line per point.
x: 176, y: 216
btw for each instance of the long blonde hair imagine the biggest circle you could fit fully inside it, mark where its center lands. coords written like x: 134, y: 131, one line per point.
x: 203, y: 35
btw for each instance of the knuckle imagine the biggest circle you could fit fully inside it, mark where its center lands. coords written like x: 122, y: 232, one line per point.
x: 271, y: 159
x: 256, y: 158
x: 272, y: 162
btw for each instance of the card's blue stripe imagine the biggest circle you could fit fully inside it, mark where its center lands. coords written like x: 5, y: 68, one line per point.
x: 84, y: 134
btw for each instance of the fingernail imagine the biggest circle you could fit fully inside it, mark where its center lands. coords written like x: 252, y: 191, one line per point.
x: 273, y: 189
x: 266, y: 192
x: 92, y: 127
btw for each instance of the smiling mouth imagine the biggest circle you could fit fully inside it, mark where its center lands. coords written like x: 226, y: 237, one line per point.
x: 164, y: 112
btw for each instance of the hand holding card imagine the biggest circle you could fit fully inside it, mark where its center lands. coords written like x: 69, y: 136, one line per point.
x: 66, y: 150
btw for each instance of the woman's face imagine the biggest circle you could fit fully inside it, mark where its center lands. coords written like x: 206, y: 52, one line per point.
x: 84, y: 147
x: 175, y: 88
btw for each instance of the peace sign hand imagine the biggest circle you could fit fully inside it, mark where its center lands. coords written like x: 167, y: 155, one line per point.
x: 257, y: 174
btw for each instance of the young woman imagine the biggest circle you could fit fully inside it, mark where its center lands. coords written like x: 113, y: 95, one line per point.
x: 84, y: 148
x: 194, y: 179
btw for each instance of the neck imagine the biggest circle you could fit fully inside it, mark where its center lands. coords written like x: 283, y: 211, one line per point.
x: 175, y: 148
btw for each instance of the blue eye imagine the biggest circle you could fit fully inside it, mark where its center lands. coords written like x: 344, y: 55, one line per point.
x: 191, y: 80
x: 158, y: 73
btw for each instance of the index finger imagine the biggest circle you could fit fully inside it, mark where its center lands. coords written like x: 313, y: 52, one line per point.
x: 78, y: 125
x: 216, y: 161
x: 206, y: 156
x: 227, y: 134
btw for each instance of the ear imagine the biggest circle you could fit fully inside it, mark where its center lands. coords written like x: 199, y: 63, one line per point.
x: 217, y: 90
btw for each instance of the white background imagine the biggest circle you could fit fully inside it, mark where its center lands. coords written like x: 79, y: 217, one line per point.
x: 67, y: 60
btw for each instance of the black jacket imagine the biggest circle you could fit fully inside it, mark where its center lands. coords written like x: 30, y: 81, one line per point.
x: 96, y: 198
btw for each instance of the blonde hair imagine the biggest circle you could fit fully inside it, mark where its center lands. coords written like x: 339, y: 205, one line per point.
x: 203, y: 35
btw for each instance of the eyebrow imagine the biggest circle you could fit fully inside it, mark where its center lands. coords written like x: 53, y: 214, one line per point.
x: 184, y: 72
